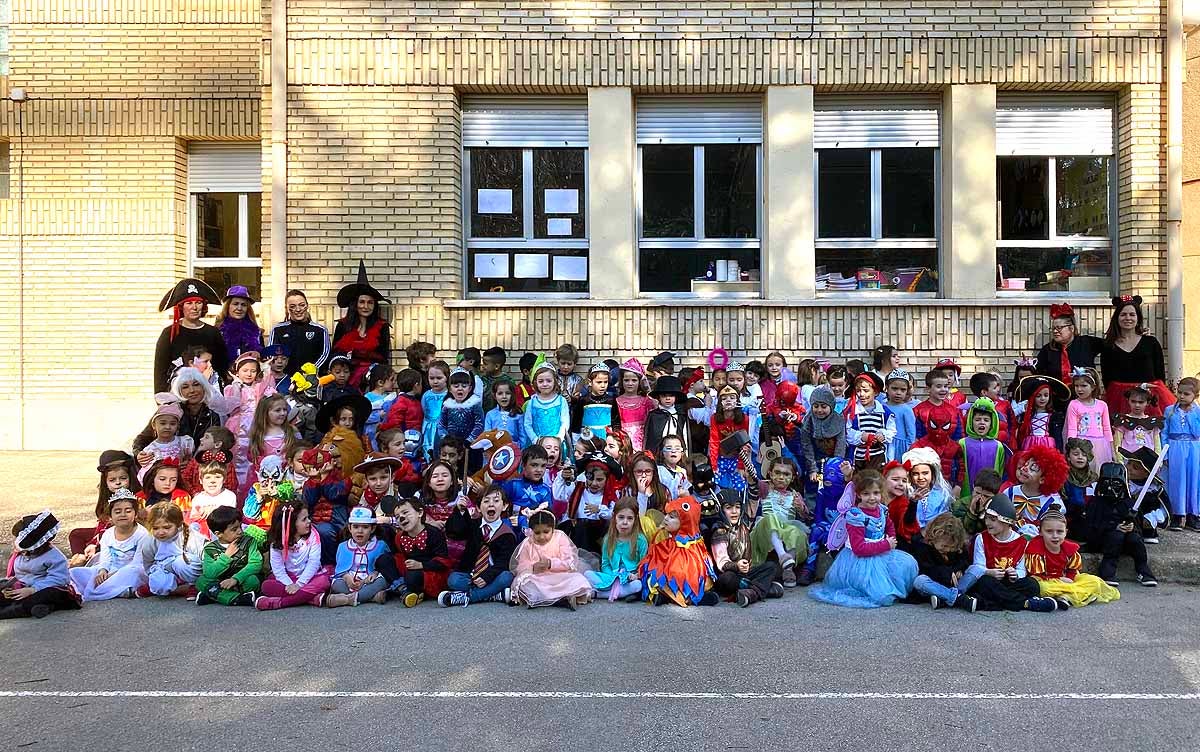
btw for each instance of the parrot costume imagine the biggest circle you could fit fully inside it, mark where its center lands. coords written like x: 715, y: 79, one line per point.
x: 679, y: 567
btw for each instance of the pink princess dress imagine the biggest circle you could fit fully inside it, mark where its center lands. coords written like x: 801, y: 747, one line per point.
x: 634, y: 409
x: 564, y: 579
x: 1091, y: 422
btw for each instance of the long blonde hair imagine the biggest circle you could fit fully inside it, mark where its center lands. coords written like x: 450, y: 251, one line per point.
x: 224, y: 314
x: 171, y: 514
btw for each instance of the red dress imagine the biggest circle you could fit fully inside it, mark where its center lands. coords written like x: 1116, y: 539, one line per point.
x: 373, y: 346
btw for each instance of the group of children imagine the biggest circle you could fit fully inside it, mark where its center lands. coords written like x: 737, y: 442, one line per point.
x: 463, y: 485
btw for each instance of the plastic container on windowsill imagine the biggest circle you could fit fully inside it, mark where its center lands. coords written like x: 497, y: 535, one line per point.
x: 1015, y: 283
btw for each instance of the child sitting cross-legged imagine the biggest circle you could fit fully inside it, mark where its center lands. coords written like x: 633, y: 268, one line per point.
x: 738, y: 577
x: 623, y: 547
x: 38, y: 582
x: 998, y: 561
x: 233, y: 562
x: 482, y: 573
x: 943, y: 554
x: 547, y: 567
x: 362, y: 559
x: 297, y: 577
x: 171, y: 555
x: 421, y: 556
x: 118, y: 571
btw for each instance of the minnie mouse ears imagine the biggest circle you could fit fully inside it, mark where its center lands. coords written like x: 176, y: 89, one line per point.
x: 1120, y: 301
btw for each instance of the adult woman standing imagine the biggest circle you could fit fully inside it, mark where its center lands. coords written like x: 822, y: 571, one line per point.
x: 1131, y: 357
x: 1067, y: 349
x: 238, y: 326
x: 362, y: 332
x: 304, y: 340
x: 189, y: 300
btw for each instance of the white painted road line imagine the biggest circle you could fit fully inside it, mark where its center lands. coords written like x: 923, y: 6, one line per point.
x: 418, y: 695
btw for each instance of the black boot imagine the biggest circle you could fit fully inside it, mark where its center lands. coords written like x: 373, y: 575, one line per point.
x: 747, y: 596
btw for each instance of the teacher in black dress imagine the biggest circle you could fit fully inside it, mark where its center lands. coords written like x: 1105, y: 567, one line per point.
x: 1067, y: 349
x: 189, y: 300
x: 1130, y: 358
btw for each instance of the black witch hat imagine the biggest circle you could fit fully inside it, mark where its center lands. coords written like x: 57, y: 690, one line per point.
x: 348, y: 295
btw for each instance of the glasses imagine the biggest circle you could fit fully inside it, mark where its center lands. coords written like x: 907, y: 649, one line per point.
x: 1057, y: 329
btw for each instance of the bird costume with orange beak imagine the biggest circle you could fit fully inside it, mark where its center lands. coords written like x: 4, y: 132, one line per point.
x: 679, y: 567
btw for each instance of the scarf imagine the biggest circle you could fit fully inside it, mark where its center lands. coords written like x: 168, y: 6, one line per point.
x: 240, y: 335
x: 824, y: 428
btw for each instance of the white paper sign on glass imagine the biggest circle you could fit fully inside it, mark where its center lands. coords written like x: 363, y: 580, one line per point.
x: 495, y: 201
x: 531, y: 266
x: 562, y: 201
x: 558, y: 227
x: 570, y: 268
x: 491, y: 265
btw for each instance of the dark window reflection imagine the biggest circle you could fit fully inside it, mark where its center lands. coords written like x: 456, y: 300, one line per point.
x: 844, y: 183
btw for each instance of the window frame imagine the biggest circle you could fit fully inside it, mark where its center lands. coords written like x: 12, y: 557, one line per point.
x: 527, y: 241
x: 243, y: 260
x: 876, y: 241
x: 698, y: 241
x: 1054, y: 241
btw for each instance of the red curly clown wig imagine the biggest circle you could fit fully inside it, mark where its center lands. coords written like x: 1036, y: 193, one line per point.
x: 1053, y: 465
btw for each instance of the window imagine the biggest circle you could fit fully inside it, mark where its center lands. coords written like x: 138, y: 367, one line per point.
x: 225, y: 214
x: 5, y: 169
x: 5, y: 23
x: 877, y: 181
x: 1055, y: 201
x: 700, y: 198
x: 525, y: 202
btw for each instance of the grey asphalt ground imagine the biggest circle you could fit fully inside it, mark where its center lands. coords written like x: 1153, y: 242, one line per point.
x: 1146, y: 643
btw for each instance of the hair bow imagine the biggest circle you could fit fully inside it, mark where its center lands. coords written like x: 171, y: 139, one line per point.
x: 1062, y: 311
x: 286, y: 522
x: 1025, y: 362
x: 893, y: 465
x: 219, y: 456
x: 907, y: 465
x: 1079, y: 371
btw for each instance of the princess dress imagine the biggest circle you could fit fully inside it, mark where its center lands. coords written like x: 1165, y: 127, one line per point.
x: 1049, y: 569
x: 634, y: 409
x: 1183, y: 458
x: 564, y: 579
x: 777, y: 516
x: 868, y: 573
x: 1039, y: 432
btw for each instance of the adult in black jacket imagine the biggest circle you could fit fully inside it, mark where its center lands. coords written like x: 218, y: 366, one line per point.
x: 189, y: 300
x: 1068, y: 348
x: 304, y: 340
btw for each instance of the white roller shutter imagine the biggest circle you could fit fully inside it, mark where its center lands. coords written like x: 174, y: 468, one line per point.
x: 1054, y: 124
x: 225, y: 167
x: 524, y: 121
x: 859, y: 121
x: 699, y: 120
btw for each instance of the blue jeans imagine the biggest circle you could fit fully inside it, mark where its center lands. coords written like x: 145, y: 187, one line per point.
x: 461, y: 582
x: 928, y: 586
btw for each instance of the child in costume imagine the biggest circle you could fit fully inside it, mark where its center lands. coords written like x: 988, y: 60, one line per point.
x: 570, y: 384
x: 1154, y: 511
x: 595, y: 409
x: 326, y: 494
x: 1183, y: 460
x: 972, y: 509
x: 546, y: 567
x: 939, y: 428
x: 405, y: 412
x: 588, y: 502
x: 245, y: 391
x: 623, y: 547
x: 233, y: 563
x: 212, y: 492
x: 274, y: 487
x: 271, y: 434
x: 822, y: 435
x: 899, y: 392
x: 671, y: 472
x: 406, y: 447
x: 431, y: 405
x: 1087, y: 416
x: 37, y: 582
x: 168, y: 442
x: 998, y: 562
x: 423, y: 562
x: 1112, y: 527
x: 531, y: 491
x: 482, y: 573
x: 462, y: 417
x: 632, y: 403
x: 171, y: 555
x: 929, y: 492
x: 728, y: 420
x: 118, y: 571
x: 162, y: 486
x: 834, y: 474
x: 547, y: 412
x: 379, y: 388
x: 215, y: 439
x: 901, y: 508
x: 739, y: 577
x: 1136, y: 428
x: 652, y: 496
x: 1054, y: 562
x: 869, y: 572
x: 356, y: 575
x: 1079, y: 486
x: 1040, y: 474
x: 117, y: 470
x: 439, y: 496
x: 870, y: 425
x: 677, y: 567
x: 944, y: 558
x: 373, y: 480
x: 981, y: 448
x: 343, y: 420
x: 670, y: 418
x: 987, y: 384
x: 297, y: 577
x: 781, y: 527
x: 506, y: 416
x: 938, y: 382
x: 1041, y: 421
x: 782, y: 420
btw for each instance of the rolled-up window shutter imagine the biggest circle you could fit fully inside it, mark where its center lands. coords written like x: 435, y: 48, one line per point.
x: 1054, y: 124
x: 524, y: 121
x: 859, y: 121
x: 224, y: 167
x: 699, y: 120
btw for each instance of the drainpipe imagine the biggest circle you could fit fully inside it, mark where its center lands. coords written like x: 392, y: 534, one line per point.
x: 1175, y: 74
x: 279, y: 83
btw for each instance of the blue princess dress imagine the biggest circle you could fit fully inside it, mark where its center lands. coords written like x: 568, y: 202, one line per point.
x: 1182, y: 435
x: 868, y: 573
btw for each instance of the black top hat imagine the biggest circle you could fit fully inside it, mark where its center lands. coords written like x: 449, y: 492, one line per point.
x: 1029, y: 384
x: 1144, y: 456
x: 356, y: 402
x: 111, y: 457
x: 34, y: 530
x: 189, y: 288
x: 348, y: 295
x: 668, y: 384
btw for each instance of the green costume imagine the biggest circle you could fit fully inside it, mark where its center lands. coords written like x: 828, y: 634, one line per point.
x: 246, y: 566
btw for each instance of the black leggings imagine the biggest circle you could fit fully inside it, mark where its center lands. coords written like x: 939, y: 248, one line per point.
x: 758, y: 578
x: 58, y: 599
x: 1004, y: 595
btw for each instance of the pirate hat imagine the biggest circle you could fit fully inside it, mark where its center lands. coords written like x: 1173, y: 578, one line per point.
x: 663, y: 360
x: 1029, y: 384
x: 348, y: 295
x: 1144, y: 456
x: 356, y: 402
x: 189, y: 288
x: 611, y: 466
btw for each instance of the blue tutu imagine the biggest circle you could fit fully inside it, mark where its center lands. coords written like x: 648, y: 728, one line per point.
x: 867, y: 581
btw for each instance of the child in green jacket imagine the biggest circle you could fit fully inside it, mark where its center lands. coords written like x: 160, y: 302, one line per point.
x: 233, y: 563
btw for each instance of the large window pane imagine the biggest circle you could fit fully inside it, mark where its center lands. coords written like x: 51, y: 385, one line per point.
x: 1057, y: 269
x: 668, y: 209
x: 908, y: 193
x: 730, y: 186
x: 223, y: 278
x: 844, y: 199
x: 1024, y: 203
x: 528, y: 270
x: 496, y: 179
x: 899, y: 269
x: 217, y: 225
x: 1081, y: 184
x: 558, y: 193
x: 674, y: 269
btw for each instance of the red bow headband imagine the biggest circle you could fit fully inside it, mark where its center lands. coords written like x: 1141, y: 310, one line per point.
x: 1062, y: 311
x: 219, y: 456
x: 894, y: 465
x: 169, y: 462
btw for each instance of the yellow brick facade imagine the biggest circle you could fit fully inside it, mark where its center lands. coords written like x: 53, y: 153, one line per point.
x: 118, y: 90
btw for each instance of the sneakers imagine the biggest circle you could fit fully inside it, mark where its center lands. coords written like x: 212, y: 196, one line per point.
x: 935, y: 602
x: 448, y: 598
x: 504, y: 596
x: 1150, y: 540
x: 776, y: 590
x: 412, y: 599
x: 1176, y: 523
x: 745, y: 597
x: 1111, y: 581
x: 380, y: 598
x: 1042, y: 605
x: 41, y: 610
x: 203, y: 598
x: 318, y: 600
x: 805, y: 577
x: 245, y: 599
x: 1062, y: 603
x: 710, y: 599
x: 1146, y: 579
x: 789, y: 575
x: 967, y: 603
x: 1193, y: 523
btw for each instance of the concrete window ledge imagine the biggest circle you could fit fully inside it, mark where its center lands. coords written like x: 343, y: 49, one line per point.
x: 851, y: 301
